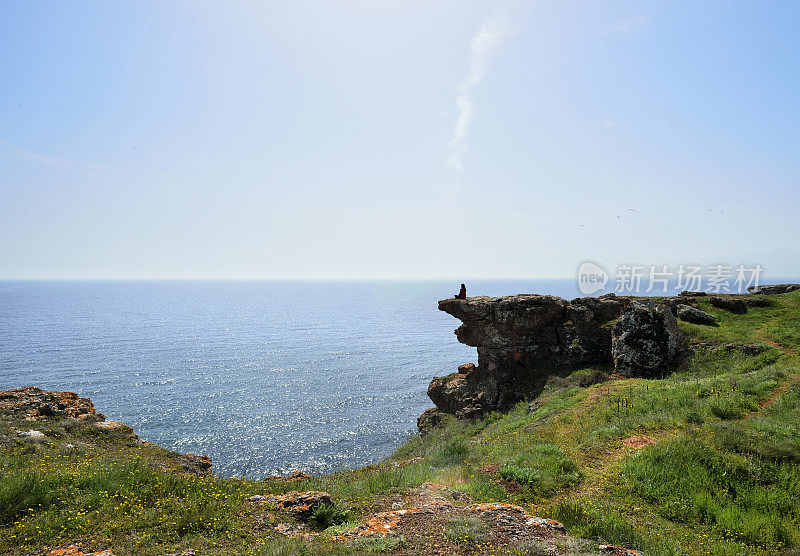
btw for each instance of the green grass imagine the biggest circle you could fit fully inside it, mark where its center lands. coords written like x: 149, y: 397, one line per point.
x: 543, y: 469
x: 742, y: 498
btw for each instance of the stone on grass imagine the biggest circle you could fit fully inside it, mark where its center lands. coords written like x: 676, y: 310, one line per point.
x: 695, y: 315
x: 731, y: 304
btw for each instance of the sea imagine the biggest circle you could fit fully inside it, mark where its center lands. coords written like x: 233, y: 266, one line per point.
x: 265, y: 377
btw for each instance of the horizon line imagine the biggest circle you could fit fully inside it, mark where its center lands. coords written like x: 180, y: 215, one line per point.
x: 269, y: 278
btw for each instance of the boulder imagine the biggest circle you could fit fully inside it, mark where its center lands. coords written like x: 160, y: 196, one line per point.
x: 429, y: 419
x: 195, y: 465
x: 732, y: 304
x: 292, y: 477
x: 645, y: 341
x: 465, y: 395
x: 775, y: 289
x: 695, y: 315
x: 31, y: 435
x: 674, y: 302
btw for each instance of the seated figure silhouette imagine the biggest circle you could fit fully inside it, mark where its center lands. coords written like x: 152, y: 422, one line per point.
x: 462, y: 294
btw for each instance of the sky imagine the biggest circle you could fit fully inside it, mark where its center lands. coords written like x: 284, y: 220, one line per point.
x: 396, y: 139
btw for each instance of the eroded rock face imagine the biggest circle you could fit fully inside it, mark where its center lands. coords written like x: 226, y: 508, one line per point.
x: 535, y: 330
x: 645, y: 341
x: 465, y: 395
x: 522, y: 339
x: 195, y: 465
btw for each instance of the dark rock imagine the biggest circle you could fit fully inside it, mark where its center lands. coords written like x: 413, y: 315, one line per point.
x: 687, y: 293
x: 465, y: 395
x: 645, y: 341
x: 732, y: 304
x: 758, y: 302
x: 695, y: 315
x: 294, y: 476
x: 430, y: 418
x: 774, y: 289
x: 521, y: 339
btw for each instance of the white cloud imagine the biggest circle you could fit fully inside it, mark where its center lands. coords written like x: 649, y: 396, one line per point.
x: 488, y: 38
x: 19, y: 152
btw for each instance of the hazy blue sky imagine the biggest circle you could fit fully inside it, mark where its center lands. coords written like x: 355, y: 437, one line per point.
x: 396, y: 139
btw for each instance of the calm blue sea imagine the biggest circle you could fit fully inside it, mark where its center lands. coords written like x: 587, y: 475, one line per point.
x: 264, y: 377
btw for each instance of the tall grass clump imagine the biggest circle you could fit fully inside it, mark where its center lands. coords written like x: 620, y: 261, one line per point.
x: 23, y: 491
x: 543, y: 468
x: 742, y: 498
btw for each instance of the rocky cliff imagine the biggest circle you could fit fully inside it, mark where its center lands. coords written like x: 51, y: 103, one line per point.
x: 522, y: 339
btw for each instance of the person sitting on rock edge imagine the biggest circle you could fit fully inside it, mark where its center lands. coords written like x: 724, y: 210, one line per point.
x: 462, y: 294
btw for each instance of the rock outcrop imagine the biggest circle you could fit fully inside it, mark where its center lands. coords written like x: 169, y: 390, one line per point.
x: 732, y: 304
x: 522, y: 339
x: 775, y: 289
x: 645, y: 340
x: 31, y: 402
x: 300, y: 504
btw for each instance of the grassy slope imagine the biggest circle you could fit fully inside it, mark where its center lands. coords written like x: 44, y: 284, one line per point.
x: 706, y: 461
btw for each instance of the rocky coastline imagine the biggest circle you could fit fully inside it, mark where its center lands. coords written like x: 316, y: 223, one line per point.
x: 524, y: 339
x: 32, y: 404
